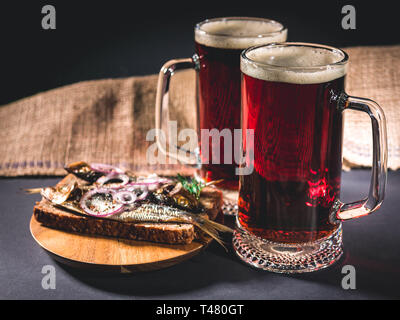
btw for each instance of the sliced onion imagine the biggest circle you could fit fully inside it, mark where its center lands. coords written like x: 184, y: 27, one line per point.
x: 152, y: 180
x: 143, y: 195
x: 105, y: 168
x: 134, y: 190
x: 113, y: 176
x: 139, y: 184
x: 125, y: 197
x: 113, y: 210
x: 150, y: 186
x: 149, y: 182
x: 143, y: 183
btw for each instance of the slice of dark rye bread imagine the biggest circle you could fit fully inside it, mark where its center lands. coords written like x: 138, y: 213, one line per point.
x: 173, y: 233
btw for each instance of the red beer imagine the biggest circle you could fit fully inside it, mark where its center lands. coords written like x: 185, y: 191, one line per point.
x: 290, y: 214
x: 218, y: 44
x: 219, y: 104
x: 297, y: 149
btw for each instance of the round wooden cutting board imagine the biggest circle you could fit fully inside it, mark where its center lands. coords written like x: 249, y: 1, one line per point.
x: 108, y: 254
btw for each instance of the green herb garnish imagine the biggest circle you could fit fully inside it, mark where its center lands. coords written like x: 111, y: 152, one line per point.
x: 192, y: 185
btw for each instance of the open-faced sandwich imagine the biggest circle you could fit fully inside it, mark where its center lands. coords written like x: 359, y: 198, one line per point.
x: 104, y: 200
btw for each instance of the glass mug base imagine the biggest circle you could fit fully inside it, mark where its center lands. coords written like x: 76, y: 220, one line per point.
x: 284, y: 257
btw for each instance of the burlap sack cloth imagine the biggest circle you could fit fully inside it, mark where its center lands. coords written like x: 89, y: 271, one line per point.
x: 107, y: 121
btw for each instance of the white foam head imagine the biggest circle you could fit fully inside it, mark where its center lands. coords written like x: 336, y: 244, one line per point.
x: 238, y: 33
x: 294, y: 63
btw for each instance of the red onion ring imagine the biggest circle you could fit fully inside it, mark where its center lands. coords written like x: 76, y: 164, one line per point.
x: 155, y: 180
x: 125, y: 197
x: 105, y: 168
x: 113, y: 176
x: 150, y: 181
x: 143, y: 195
x: 133, y: 190
x: 141, y: 184
x: 90, y: 194
x: 148, y: 186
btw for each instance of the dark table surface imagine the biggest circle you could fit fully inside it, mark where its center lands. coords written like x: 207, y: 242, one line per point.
x: 371, y: 246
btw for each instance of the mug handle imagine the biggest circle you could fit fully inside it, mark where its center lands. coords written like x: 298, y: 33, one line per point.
x: 162, y: 99
x: 346, y: 211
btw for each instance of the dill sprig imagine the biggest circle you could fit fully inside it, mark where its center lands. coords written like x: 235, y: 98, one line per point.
x: 192, y: 185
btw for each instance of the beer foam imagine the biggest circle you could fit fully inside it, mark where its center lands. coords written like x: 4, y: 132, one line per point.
x: 293, y: 64
x: 231, y: 33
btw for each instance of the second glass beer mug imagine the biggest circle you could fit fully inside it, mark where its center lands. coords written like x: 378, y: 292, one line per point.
x: 289, y: 209
x: 218, y: 44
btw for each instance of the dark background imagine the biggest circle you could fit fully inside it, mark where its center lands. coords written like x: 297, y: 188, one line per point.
x: 96, y: 40
x: 103, y: 39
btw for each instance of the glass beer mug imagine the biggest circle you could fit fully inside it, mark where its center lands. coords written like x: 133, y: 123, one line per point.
x: 290, y: 216
x: 218, y: 44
